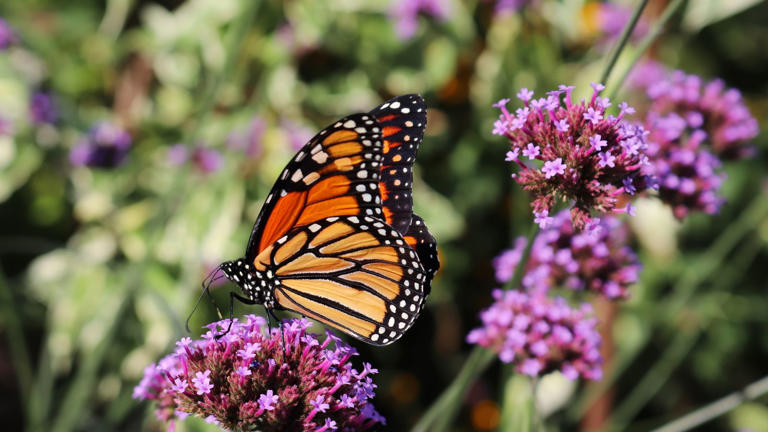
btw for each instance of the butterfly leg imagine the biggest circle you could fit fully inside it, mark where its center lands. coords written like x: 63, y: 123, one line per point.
x: 271, y: 314
x: 232, y: 296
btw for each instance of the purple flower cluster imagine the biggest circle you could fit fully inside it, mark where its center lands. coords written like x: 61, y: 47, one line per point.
x: 7, y: 35
x: 693, y: 126
x: 540, y: 335
x: 711, y: 107
x: 42, y: 108
x: 505, y: 6
x: 106, y: 146
x: 205, y: 159
x: 249, y: 380
x: 406, y: 14
x: 574, y: 152
x: 599, y: 261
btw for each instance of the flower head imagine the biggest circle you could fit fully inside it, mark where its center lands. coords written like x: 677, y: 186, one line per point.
x: 719, y: 111
x: 540, y: 335
x: 599, y: 261
x: 106, y: 146
x: 249, y: 380
x: 589, y: 162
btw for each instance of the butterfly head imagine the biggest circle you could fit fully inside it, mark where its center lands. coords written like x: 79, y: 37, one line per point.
x: 256, y: 285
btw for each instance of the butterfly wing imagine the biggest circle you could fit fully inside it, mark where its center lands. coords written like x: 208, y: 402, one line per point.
x: 335, y: 174
x: 353, y: 273
x: 402, y: 122
x: 425, y: 245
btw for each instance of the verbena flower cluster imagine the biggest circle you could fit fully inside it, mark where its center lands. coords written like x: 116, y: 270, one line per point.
x: 574, y: 152
x: 561, y: 257
x: 540, y: 335
x: 711, y: 107
x: 106, y: 146
x: 693, y: 126
x: 249, y: 380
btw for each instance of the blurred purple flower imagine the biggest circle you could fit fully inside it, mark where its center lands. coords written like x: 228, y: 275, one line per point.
x: 564, y: 137
x: 249, y: 141
x: 106, y: 146
x: 207, y: 160
x: 6, y: 127
x: 613, y: 17
x: 711, y: 107
x: 307, y: 384
x: 540, y: 335
x: 646, y: 73
x: 297, y: 135
x: 406, y: 14
x: 42, y: 108
x: 599, y: 261
x: 688, y: 175
x: 503, y: 6
x: 7, y: 35
x: 178, y: 154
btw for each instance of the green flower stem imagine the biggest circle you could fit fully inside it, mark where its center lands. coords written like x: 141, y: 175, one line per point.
x: 84, y: 382
x: 519, y: 412
x: 16, y: 342
x: 39, y: 406
x: 681, y: 345
x: 443, y: 410
x: 717, y: 408
x: 708, y: 264
x: 669, y: 11
x: 623, y: 39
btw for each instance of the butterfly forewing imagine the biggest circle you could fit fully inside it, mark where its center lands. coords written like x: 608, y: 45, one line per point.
x: 335, y: 174
x: 355, y: 273
x: 402, y: 122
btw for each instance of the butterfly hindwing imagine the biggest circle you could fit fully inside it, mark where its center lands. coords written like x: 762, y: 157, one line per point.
x: 425, y: 245
x: 355, y: 273
x: 335, y: 174
x: 402, y: 120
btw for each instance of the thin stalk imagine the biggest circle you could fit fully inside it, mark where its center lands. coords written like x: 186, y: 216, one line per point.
x: 39, y: 406
x: 706, y: 265
x: 677, y: 350
x: 444, y: 406
x: 443, y: 410
x: 82, y: 386
x: 623, y: 39
x: 717, y: 408
x: 669, y: 11
x: 16, y: 342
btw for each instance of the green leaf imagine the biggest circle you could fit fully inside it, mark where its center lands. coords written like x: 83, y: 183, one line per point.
x: 701, y: 13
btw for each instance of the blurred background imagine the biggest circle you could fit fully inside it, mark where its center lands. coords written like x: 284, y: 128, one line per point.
x: 139, y: 138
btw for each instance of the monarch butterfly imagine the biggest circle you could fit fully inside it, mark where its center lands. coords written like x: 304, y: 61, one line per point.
x: 337, y: 239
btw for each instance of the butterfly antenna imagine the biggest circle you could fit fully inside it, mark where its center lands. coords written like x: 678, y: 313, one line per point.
x: 206, y: 285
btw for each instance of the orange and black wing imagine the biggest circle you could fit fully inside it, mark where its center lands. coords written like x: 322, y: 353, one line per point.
x: 425, y: 245
x: 402, y: 122
x: 335, y: 174
x: 354, y: 273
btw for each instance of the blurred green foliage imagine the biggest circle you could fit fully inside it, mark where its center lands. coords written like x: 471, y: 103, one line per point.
x: 101, y: 267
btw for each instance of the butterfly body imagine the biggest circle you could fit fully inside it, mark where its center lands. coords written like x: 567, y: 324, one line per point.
x: 337, y: 239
